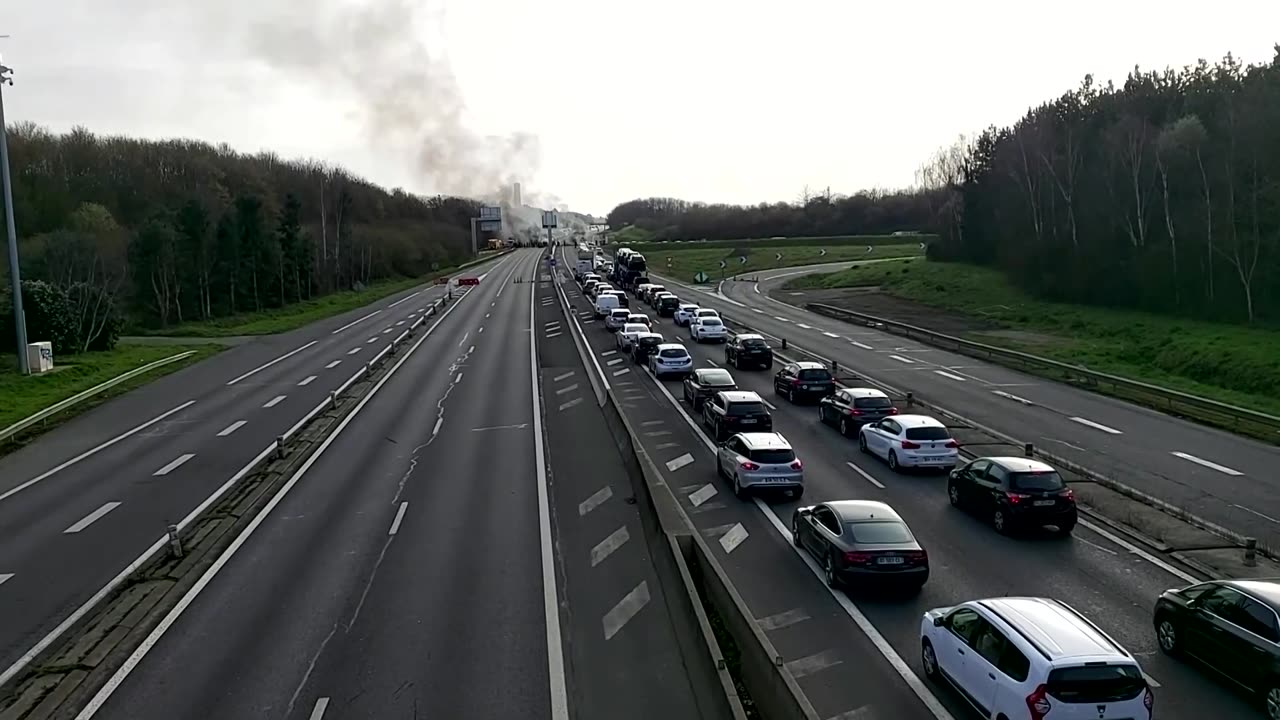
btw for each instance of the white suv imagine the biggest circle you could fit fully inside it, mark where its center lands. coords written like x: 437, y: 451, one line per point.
x: 1026, y: 658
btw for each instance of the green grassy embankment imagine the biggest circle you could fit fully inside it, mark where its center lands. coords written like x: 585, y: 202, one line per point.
x: 648, y: 247
x: 1230, y: 363
x: 685, y: 263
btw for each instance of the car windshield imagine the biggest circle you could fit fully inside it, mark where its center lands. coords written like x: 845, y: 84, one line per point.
x: 748, y: 407
x: 1096, y: 683
x: 880, y: 532
x: 674, y: 353
x: 1046, y: 480
x: 872, y: 403
x: 716, y: 377
x: 773, y: 456
x: 930, y: 432
x: 754, y: 344
x: 815, y: 374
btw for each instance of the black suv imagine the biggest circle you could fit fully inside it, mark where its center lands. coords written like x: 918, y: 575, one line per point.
x: 735, y: 411
x: 748, y: 349
x: 805, y: 379
x: 644, y: 346
x: 667, y: 305
x: 1015, y: 492
x: 705, y: 382
x: 851, y: 408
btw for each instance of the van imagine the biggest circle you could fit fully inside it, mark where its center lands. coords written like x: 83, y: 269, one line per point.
x: 605, y: 303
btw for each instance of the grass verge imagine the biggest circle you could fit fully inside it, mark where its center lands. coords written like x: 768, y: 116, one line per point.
x: 25, y: 396
x: 774, y: 244
x: 1229, y: 363
x: 687, y: 263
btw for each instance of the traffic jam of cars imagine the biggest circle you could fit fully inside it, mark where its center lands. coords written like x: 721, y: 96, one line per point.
x: 1006, y: 657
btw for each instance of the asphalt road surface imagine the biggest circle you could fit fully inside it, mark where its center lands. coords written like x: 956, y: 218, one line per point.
x: 831, y: 635
x: 84, y: 501
x: 1225, y: 478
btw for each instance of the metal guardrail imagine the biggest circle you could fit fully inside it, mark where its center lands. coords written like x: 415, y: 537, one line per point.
x: 1171, y: 399
x: 9, y: 432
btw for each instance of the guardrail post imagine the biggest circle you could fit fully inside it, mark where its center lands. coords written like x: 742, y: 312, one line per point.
x: 333, y: 399
x: 835, y: 368
x: 1029, y: 450
x: 175, y: 542
x: 392, y: 351
x: 1250, y: 552
x: 368, y: 369
x: 280, y: 448
x: 784, y: 343
x: 911, y: 399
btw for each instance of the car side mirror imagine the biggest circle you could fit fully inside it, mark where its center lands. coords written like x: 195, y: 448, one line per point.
x: 804, y: 513
x: 939, y: 621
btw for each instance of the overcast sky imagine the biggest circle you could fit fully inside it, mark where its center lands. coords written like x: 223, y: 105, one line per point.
x: 594, y: 101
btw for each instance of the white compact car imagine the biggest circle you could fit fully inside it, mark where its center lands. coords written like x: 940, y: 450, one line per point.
x: 670, y: 359
x: 708, y: 328
x: 1032, y: 658
x: 628, y: 333
x: 705, y: 312
x: 616, y: 319
x: 910, y: 441
x: 684, y: 313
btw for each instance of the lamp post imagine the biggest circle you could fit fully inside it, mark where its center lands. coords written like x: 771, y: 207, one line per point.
x: 15, y: 276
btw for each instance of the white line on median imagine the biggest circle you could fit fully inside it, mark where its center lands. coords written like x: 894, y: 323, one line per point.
x: 1096, y: 426
x: 626, y: 609
x: 274, y: 401
x: 946, y: 374
x: 596, y: 500
x: 1139, y: 552
x: 306, y: 380
x: 173, y: 464
x: 676, y: 464
x: 703, y: 494
x: 355, y: 322
x: 564, y: 376
x: 899, y: 358
x: 91, y: 518
x: 232, y: 428
x: 457, y: 379
x: 1207, y: 463
x: 570, y: 388
x: 606, y: 547
x: 395, y: 524
x: 353, y: 351
x: 865, y: 474
x: 613, y: 362
x: 571, y: 403
x: 264, y: 366
x: 830, y: 334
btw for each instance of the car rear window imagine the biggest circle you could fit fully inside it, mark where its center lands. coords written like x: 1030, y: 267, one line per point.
x: 674, y: 353
x: 716, y: 377
x: 928, y: 433
x: 872, y: 403
x: 1047, y: 480
x: 650, y: 341
x: 746, y: 408
x: 773, y: 457
x: 621, y: 314
x: 1096, y: 683
x: 755, y: 343
x: 880, y: 532
x: 814, y: 374
x: 710, y: 322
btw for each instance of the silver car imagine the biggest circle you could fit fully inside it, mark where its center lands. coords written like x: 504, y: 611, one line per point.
x: 760, y: 462
x: 616, y: 318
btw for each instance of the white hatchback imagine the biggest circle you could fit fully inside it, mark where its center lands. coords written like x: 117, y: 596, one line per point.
x: 616, y: 319
x: 684, y: 313
x: 628, y: 334
x: 910, y: 441
x: 670, y: 359
x: 708, y: 328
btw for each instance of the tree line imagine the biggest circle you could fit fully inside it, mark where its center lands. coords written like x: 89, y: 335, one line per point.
x: 873, y: 212
x: 1161, y: 194
x: 152, y: 233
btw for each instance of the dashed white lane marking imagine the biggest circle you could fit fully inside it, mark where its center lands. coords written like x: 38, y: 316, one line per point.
x: 436, y: 430
x: 355, y: 322
x: 779, y: 317
x: 463, y: 341
x: 865, y: 475
x: 321, y: 705
x: 1097, y: 426
x: 403, y: 299
x: 274, y: 401
x: 802, y: 325
x: 395, y: 524
x: 712, y: 363
x: 471, y: 349
x: 353, y: 351
x: 486, y: 314
x: 613, y: 362
x: 1012, y: 397
x: 571, y: 403
x: 481, y: 328
x: 91, y: 518
x: 5, y: 577
x: 596, y: 500
x: 1255, y: 512
x: 732, y: 539
x: 782, y: 619
x: 1207, y: 463
x: 864, y: 346
x: 570, y: 388
x: 676, y: 464
x: 554, y: 334
x: 333, y: 365
x: 951, y: 376
x: 623, y: 371
x: 306, y: 380
x: 626, y: 609
x: 174, y: 464
x: 649, y: 423
x: 387, y: 330
x: 830, y: 334
x: 399, y: 323
x: 757, y: 310
x: 703, y: 494
x: 565, y: 376
x: 457, y: 379
x: 859, y: 713
x: 899, y: 358
x: 811, y: 664
x: 607, y: 353
x: 232, y: 428
x: 666, y: 445
x: 373, y: 339
x: 606, y: 547
x: 658, y: 433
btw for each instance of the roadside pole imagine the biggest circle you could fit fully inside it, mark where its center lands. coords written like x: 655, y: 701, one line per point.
x: 15, y: 275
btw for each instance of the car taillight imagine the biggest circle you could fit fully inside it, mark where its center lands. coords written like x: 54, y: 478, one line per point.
x: 952, y: 444
x: 1068, y: 494
x: 1038, y: 703
x: 893, y: 411
x: 1015, y: 498
x: 856, y: 558
x: 795, y: 381
x: 797, y: 465
x: 908, y: 445
x: 1148, y: 699
x: 748, y: 465
x: 855, y: 411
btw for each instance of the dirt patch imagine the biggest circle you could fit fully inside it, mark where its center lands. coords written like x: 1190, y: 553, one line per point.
x: 871, y: 301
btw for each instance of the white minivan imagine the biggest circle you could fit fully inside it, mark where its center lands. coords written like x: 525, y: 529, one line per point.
x: 606, y: 302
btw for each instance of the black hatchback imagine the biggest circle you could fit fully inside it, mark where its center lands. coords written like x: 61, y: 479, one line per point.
x: 748, y: 349
x: 704, y: 383
x: 1014, y: 492
x: 645, y: 345
x: 806, y: 379
x: 667, y: 305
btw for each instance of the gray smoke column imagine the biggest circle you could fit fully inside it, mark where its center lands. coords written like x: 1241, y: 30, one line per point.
x: 376, y: 52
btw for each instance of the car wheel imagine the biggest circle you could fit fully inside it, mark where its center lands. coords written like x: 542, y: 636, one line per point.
x: 953, y: 494
x: 1066, y: 530
x: 929, y: 659
x: 999, y: 521
x: 738, y: 492
x: 795, y: 534
x: 1271, y: 699
x: 1167, y: 635
x: 844, y: 427
x: 862, y: 443
x: 829, y: 570
x: 893, y: 461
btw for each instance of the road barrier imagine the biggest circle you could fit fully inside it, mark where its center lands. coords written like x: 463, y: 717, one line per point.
x: 1161, y: 398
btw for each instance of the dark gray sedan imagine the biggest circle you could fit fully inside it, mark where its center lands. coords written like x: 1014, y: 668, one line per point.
x: 705, y: 382
x: 861, y: 542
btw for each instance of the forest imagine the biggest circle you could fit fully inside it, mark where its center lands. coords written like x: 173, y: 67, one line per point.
x: 1160, y: 194
x: 117, y: 232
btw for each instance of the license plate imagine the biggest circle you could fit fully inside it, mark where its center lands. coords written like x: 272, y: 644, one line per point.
x: 889, y: 561
x: 748, y: 422
x: 1042, y: 503
x: 778, y: 480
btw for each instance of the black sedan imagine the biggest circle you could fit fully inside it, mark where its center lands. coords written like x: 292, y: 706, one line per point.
x: 705, y: 382
x: 748, y: 349
x: 861, y: 542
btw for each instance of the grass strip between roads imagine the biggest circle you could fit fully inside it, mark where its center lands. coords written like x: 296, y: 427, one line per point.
x: 687, y: 262
x: 1234, y: 364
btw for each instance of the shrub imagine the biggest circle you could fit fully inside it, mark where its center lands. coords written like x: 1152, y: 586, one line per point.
x: 49, y: 317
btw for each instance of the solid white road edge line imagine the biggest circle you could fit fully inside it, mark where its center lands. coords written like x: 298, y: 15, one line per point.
x: 94, y: 450
x: 550, y: 601
x: 1207, y: 463
x: 355, y: 322
x: 264, y: 366
x: 117, y: 679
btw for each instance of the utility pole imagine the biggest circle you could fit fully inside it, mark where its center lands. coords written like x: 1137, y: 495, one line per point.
x: 15, y: 276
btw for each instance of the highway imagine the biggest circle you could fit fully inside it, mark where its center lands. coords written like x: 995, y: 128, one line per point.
x: 432, y: 559
x: 829, y: 635
x: 90, y: 497
x: 1222, y: 477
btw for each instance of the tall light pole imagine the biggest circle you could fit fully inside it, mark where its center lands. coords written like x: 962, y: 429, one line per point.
x: 15, y: 277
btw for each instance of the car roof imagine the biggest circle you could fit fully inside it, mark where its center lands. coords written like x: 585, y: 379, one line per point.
x: 688, y: 306
x: 741, y: 396
x: 621, y: 310
x: 702, y: 309
x: 1020, y: 464
x: 672, y: 346
x: 628, y: 327
x: 1265, y: 589
x: 636, y: 314
x: 1054, y: 628
x: 863, y: 392
x: 649, y: 336
x: 765, y: 441
x: 860, y: 510
x: 810, y: 365
x: 750, y: 336
x: 908, y: 421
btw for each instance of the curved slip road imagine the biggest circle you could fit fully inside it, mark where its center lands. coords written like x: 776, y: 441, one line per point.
x: 1109, y: 579
x: 85, y: 500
